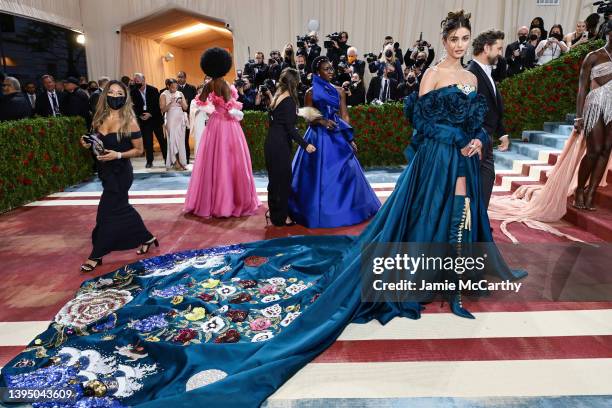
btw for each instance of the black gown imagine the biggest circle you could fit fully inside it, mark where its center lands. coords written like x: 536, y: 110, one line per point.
x: 118, y: 224
x: 277, y: 152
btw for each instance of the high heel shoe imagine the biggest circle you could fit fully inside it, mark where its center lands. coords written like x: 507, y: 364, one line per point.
x: 267, y: 215
x: 579, y: 198
x: 588, y: 200
x: 86, y: 267
x: 457, y: 308
x: 144, y: 248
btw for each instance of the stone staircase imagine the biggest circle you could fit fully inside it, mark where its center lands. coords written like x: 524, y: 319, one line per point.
x: 528, y: 161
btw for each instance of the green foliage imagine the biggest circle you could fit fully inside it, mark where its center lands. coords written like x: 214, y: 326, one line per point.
x: 545, y: 93
x: 381, y: 134
x: 40, y: 156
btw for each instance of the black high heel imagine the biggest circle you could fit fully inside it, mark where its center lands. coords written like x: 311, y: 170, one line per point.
x: 89, y: 267
x: 144, y: 248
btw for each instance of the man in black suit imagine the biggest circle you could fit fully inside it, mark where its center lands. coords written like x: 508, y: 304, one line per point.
x: 145, y: 99
x: 189, y: 92
x: 30, y: 94
x: 354, y: 62
x: 383, y: 88
x: 520, y: 55
x: 13, y: 104
x: 76, y: 100
x: 49, y: 102
x: 488, y: 48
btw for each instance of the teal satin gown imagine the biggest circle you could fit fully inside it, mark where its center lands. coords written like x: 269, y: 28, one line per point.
x: 227, y: 326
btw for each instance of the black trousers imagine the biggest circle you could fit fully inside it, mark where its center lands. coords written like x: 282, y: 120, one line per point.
x: 147, y: 128
x: 487, y: 173
x: 277, y: 153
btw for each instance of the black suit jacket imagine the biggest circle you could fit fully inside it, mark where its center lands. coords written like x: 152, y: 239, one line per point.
x: 43, y: 106
x: 525, y: 60
x: 189, y: 91
x: 358, y: 68
x: 374, y: 89
x: 14, y: 106
x: 494, y: 117
x: 77, y: 104
x: 152, y: 96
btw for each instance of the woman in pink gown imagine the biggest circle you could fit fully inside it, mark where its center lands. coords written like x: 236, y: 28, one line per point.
x: 222, y: 182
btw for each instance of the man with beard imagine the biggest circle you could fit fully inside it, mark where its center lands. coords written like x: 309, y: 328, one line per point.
x: 488, y: 48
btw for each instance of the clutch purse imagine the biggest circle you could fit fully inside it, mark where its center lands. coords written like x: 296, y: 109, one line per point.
x: 97, y: 146
x: 309, y: 114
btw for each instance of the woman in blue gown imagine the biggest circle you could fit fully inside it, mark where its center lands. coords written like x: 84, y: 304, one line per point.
x: 328, y: 187
x: 227, y: 326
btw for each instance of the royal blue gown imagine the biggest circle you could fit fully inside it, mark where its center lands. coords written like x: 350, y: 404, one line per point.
x: 328, y: 187
x: 227, y: 326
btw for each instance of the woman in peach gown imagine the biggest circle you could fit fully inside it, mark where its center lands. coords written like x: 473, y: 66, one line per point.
x: 222, y: 182
x: 537, y: 206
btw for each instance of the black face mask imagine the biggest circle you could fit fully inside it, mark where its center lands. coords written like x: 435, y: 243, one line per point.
x: 289, y: 52
x: 83, y: 86
x: 522, y: 38
x: 533, y: 37
x: 115, y: 102
x: 135, y: 87
x: 92, y: 90
x: 301, y: 66
x: 411, y: 80
x: 420, y: 62
x: 388, y: 53
x: 558, y: 36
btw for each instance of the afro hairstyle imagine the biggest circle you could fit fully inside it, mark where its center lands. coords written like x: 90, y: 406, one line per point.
x: 317, y: 62
x: 216, y: 62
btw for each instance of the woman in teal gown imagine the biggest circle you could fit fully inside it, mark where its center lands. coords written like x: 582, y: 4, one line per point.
x: 227, y: 326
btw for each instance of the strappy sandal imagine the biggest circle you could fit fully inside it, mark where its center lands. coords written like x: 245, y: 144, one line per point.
x: 144, y: 248
x: 87, y: 267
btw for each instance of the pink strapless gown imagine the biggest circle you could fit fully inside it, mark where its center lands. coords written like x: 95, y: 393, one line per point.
x: 222, y: 182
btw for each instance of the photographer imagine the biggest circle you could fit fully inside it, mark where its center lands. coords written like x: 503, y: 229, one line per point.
x: 246, y: 94
x: 305, y: 77
x: 336, y: 46
x: 355, y: 91
x: 410, y: 84
x: 307, y: 46
x: 383, y: 88
x: 388, y: 57
x: 288, y: 58
x: 396, y: 48
x: 551, y: 48
x: 264, y: 95
x: 256, y: 69
x: 520, y: 55
x: 343, y: 73
x: 357, y: 66
x: 275, y: 64
x: 420, y: 46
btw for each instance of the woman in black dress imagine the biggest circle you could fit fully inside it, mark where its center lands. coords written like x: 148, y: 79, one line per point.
x: 118, y: 225
x: 277, y: 148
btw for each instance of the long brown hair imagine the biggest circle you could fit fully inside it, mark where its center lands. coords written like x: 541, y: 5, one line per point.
x: 288, y: 82
x: 126, y: 113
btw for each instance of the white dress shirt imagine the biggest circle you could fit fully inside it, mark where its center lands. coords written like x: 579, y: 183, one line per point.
x: 488, y: 69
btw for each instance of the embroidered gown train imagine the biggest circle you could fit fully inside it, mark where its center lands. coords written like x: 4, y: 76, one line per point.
x: 227, y: 326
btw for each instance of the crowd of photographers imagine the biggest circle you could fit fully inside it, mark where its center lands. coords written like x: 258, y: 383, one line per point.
x: 396, y: 74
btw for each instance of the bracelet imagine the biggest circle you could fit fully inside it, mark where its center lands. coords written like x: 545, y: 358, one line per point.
x: 119, y: 157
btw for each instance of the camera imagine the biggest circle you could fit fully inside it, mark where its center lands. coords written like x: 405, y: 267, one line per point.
x: 604, y: 7
x: 301, y: 41
x: 370, y: 57
x: 332, y: 37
